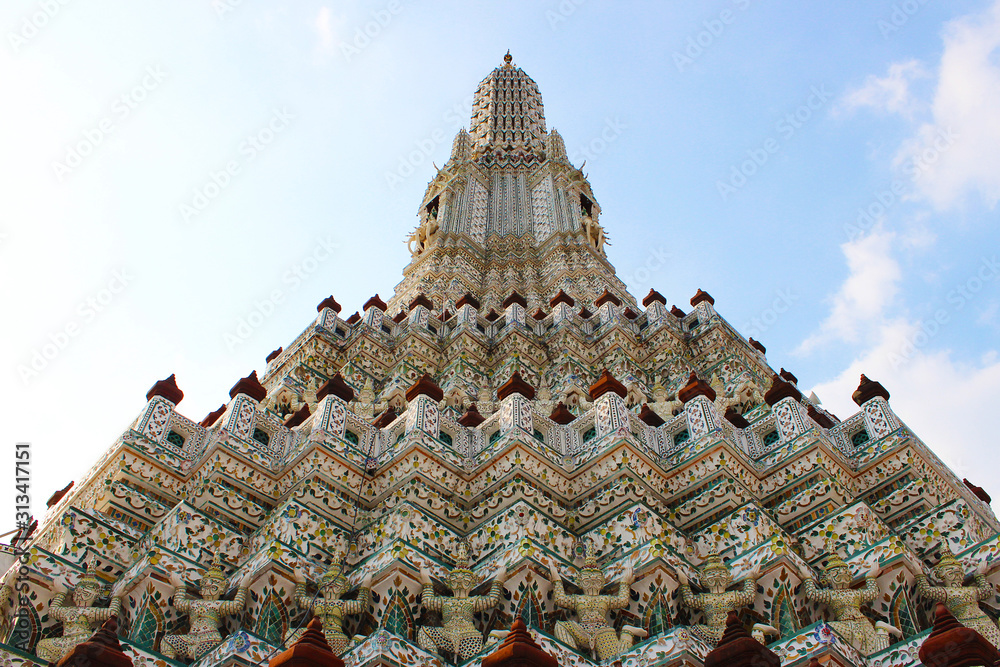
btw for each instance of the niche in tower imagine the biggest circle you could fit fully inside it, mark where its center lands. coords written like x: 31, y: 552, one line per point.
x: 432, y: 208
x: 586, y: 206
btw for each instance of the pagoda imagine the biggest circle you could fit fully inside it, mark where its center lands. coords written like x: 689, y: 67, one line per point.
x: 511, y: 434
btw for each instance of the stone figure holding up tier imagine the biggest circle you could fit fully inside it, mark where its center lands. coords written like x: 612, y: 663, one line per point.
x: 962, y: 601
x: 591, y: 631
x: 206, y: 613
x: 330, y: 608
x: 80, y: 618
x: 718, y: 602
x: 458, y: 634
x: 846, y: 603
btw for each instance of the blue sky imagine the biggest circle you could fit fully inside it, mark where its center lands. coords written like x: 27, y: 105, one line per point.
x: 168, y: 170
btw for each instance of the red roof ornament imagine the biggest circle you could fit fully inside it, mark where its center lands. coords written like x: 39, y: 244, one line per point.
x: 168, y: 389
x: 867, y: 390
x: 375, y: 302
x: 421, y: 300
x: 468, y: 300
x: 274, y: 355
x: 355, y: 318
x: 607, y: 297
x: 700, y: 296
x: 585, y: 314
x: 951, y: 644
x: 647, y: 415
x: 780, y: 389
x: 399, y: 317
x: 677, y: 312
x: 492, y: 315
x: 561, y: 297
x: 561, y: 414
x: 300, y: 416
x: 386, y: 418
x: 425, y: 386
x: 328, y: 302
x: 757, y: 345
x: 653, y: 297
x: 819, y: 417
x: 629, y: 313
x: 539, y: 314
x: 519, y: 650
x: 515, y: 385
x: 788, y: 376
x: 58, y: 495
x: 337, y: 386
x: 734, y: 417
x: 514, y: 298
x: 977, y: 490
x: 695, y: 387
x: 471, y: 418
x: 213, y: 416
x: 101, y: 650
x: 249, y: 386
x: 738, y: 649
x: 605, y: 383
x: 309, y: 650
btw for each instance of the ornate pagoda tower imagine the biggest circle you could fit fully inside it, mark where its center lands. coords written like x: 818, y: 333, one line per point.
x: 510, y: 435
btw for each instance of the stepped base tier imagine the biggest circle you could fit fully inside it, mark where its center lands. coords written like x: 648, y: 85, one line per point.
x: 424, y: 471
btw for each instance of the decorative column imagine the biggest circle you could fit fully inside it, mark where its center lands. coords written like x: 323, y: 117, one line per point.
x: 607, y: 306
x: 519, y: 650
x: 699, y: 407
x: 374, y: 310
x: 101, y: 650
x: 608, y: 396
x: 420, y: 311
x: 422, y: 413
x: 328, y: 310
x: 331, y: 410
x: 468, y: 310
x: 241, y: 415
x: 162, y: 398
x: 704, y: 305
x: 656, y: 308
x: 873, y: 399
x: 561, y: 305
x: 789, y: 417
x: 515, y: 396
x: 515, y: 309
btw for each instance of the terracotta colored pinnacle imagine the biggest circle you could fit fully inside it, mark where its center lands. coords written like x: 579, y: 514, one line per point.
x: 653, y: 297
x: 584, y: 313
x: 399, y: 317
x: 647, y: 415
x: 757, y: 345
x: 471, y: 418
x: 249, y: 386
x: 515, y: 298
x: 355, y: 318
x: 425, y: 386
x: 695, y: 387
x: 561, y: 414
x: 951, y: 644
x: 168, y: 389
x: 421, y: 300
x: 492, y: 315
x: 375, y: 302
x: 819, y: 417
x: 213, y: 416
x: 468, y: 300
x: 58, y: 495
x: 515, y: 385
x: 385, y: 418
x: 328, y: 302
x: 539, y: 314
x: 336, y: 386
x: 561, y: 297
x: 867, y: 390
x: 606, y: 383
x: 629, y: 313
x: 780, y: 389
x: 309, y: 650
x: 977, y: 490
x: 735, y: 418
x: 101, y: 650
x: 274, y: 355
x: 300, y: 416
x: 519, y: 650
x: 700, y: 296
x: 788, y: 376
x: 739, y: 649
x: 607, y: 297
x: 677, y: 312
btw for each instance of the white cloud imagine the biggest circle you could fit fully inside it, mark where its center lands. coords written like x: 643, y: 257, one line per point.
x: 892, y: 93
x: 870, y: 287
